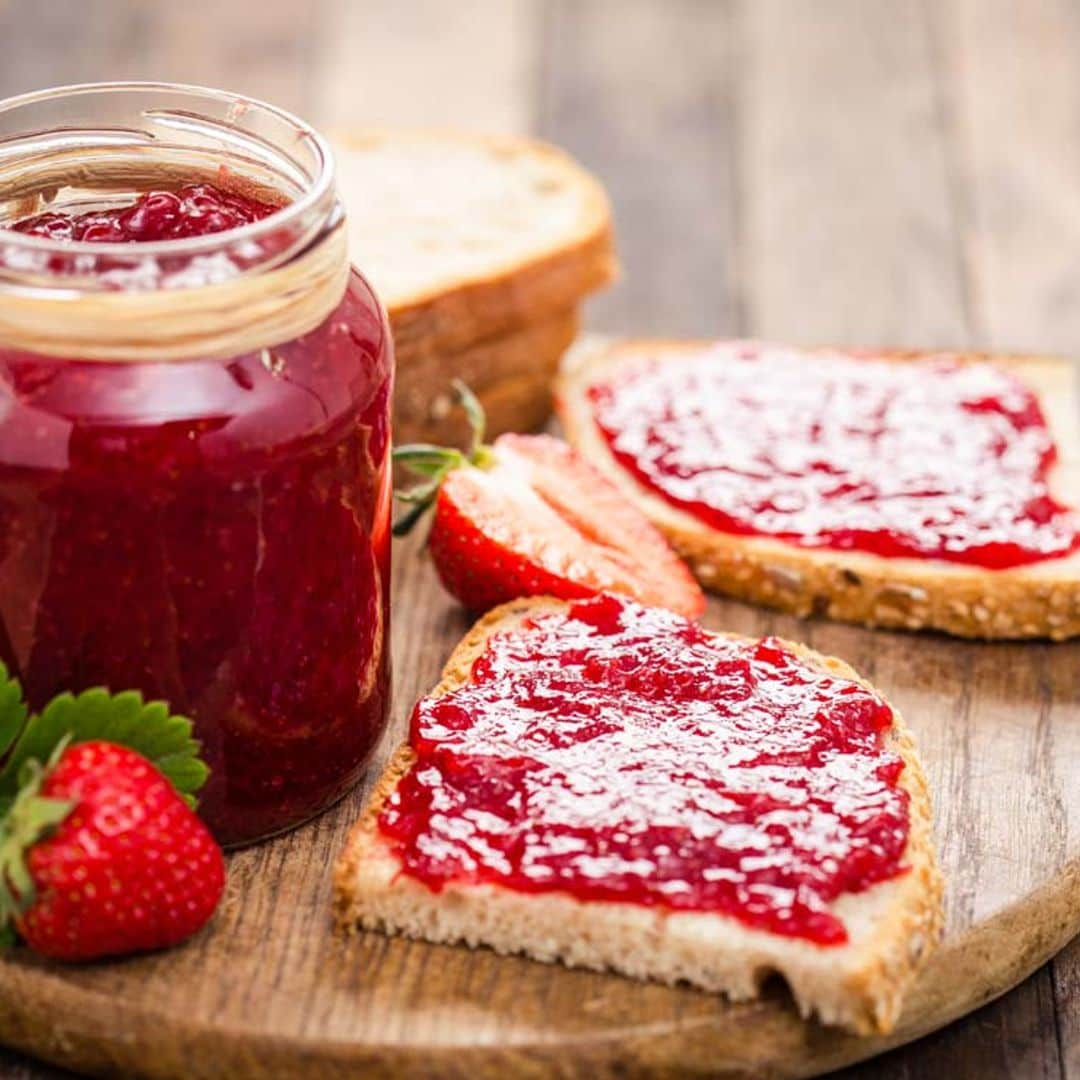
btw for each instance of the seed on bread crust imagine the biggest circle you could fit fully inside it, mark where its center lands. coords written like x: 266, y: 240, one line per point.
x: 1041, y: 600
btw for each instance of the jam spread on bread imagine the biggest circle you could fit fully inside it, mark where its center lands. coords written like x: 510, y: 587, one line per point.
x: 929, y: 457
x: 621, y: 753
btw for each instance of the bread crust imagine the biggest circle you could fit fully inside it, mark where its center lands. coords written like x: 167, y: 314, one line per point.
x: 893, y: 926
x: 511, y: 374
x: 1037, y: 601
x: 513, y: 294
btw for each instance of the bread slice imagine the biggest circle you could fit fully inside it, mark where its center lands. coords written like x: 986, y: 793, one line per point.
x: 1037, y: 601
x: 860, y: 985
x: 511, y: 374
x: 469, y: 237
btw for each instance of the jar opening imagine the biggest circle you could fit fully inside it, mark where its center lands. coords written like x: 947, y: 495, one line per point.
x: 93, y: 146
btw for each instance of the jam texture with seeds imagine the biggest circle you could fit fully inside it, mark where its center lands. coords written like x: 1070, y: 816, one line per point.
x: 925, y: 458
x: 622, y: 753
x: 211, y: 532
x: 193, y: 210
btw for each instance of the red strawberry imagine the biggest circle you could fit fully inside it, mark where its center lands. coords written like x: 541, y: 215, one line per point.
x: 529, y: 516
x: 103, y: 857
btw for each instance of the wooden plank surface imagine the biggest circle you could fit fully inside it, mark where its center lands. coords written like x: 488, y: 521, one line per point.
x: 424, y: 64
x: 1065, y: 972
x: 271, y: 986
x: 665, y: 147
x: 861, y: 170
x: 849, y: 224
x: 262, y: 49
x: 1011, y: 89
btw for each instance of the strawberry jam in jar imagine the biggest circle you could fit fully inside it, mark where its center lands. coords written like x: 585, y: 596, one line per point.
x: 195, y: 395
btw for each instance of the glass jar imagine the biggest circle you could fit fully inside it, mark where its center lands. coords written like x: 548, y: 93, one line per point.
x: 194, y: 444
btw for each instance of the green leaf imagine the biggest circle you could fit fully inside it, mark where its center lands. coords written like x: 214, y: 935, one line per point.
x: 12, y: 710
x: 145, y: 727
x: 31, y: 817
x: 427, y: 460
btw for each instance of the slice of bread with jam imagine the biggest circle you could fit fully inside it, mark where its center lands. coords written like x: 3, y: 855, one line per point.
x: 888, y: 924
x: 1040, y: 599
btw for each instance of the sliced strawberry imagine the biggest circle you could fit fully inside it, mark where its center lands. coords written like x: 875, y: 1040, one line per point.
x: 529, y: 516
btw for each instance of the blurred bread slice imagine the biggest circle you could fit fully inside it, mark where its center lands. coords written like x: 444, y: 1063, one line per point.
x: 1041, y: 600
x: 893, y: 926
x: 467, y: 237
x: 512, y: 375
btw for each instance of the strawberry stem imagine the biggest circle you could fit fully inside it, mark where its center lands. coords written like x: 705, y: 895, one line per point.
x: 474, y: 412
x: 404, y: 524
x: 428, y: 460
x: 434, y: 462
x: 31, y: 818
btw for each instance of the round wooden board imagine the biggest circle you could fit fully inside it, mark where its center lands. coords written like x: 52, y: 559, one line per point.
x: 270, y: 989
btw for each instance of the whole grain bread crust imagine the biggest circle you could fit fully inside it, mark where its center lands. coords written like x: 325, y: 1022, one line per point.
x: 893, y: 926
x: 512, y: 295
x: 1036, y: 601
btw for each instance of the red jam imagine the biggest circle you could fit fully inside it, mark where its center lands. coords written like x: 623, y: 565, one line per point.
x: 926, y: 458
x: 214, y: 533
x: 622, y: 753
x: 193, y: 210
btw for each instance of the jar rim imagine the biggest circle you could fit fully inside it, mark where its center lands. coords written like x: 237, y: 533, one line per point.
x: 319, y: 190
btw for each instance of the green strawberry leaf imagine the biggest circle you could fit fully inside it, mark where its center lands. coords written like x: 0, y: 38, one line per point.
x: 427, y: 460
x: 474, y: 412
x: 148, y: 728
x: 12, y: 710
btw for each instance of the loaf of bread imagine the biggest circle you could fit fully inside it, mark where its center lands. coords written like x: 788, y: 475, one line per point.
x: 467, y: 237
x: 512, y: 375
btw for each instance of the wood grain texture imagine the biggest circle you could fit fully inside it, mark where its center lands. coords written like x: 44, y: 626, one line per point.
x: 1012, y: 1037
x: 206, y: 42
x: 427, y: 64
x: 271, y: 986
x: 848, y: 214
x: 891, y: 171
x: 633, y: 87
x: 1014, y: 112
x: 1065, y: 972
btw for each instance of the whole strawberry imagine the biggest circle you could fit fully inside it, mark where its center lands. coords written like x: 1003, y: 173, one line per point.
x: 128, y: 868
x: 101, y: 853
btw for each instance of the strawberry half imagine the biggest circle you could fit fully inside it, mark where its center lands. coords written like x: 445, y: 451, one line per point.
x: 101, y: 856
x: 528, y: 516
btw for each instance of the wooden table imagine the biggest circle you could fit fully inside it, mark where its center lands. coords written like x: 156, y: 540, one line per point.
x: 877, y: 171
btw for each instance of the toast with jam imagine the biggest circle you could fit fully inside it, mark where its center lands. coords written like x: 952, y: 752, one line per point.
x: 897, y: 489
x: 613, y: 787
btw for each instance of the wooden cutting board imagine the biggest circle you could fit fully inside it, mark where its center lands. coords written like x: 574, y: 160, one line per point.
x: 270, y: 989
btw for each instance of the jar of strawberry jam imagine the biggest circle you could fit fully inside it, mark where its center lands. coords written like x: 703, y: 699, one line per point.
x: 194, y: 435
